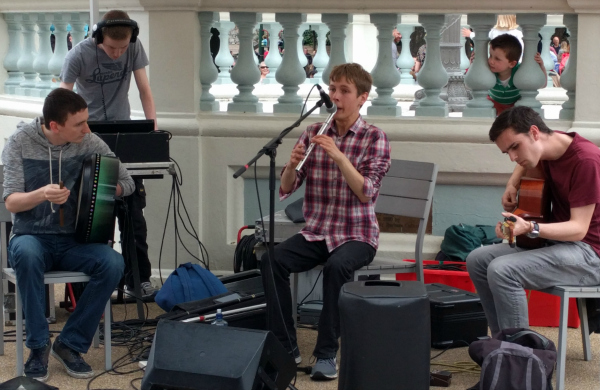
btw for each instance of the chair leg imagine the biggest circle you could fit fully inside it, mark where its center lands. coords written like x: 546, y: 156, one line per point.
x: 2, y: 319
x: 107, y: 337
x: 562, y: 341
x: 51, y: 301
x: 19, y: 331
x: 96, y: 341
x: 585, y: 329
x: 294, y: 288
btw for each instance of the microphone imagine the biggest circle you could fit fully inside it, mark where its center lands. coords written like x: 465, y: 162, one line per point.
x: 331, y: 108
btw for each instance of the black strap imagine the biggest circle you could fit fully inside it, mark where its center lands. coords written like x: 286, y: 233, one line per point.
x: 513, y: 337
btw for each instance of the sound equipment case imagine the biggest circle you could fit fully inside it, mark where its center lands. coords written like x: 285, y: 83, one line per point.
x: 456, y: 316
x: 245, y: 289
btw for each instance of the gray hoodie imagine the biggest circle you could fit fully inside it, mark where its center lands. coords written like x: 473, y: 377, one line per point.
x: 31, y: 162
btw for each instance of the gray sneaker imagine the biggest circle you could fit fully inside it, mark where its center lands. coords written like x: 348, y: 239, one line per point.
x: 148, y: 290
x: 324, y: 369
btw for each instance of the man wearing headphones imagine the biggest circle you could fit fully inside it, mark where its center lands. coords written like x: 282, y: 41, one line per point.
x: 101, y: 67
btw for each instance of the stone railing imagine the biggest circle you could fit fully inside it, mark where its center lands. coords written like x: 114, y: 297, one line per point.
x: 33, y: 69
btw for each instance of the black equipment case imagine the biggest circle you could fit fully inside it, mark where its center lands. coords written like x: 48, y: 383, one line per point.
x: 457, y: 317
x: 245, y: 290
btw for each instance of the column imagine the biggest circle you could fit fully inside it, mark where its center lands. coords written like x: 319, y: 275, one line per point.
x: 291, y: 73
x: 465, y: 61
x: 245, y: 73
x: 405, y: 60
x: 40, y: 65
x: 273, y: 60
x: 224, y: 60
x: 547, y: 32
x: 28, y: 55
x: 337, y: 24
x: 60, y: 46
x: 568, y: 79
x: 432, y: 77
x: 78, y: 22
x: 14, y: 52
x: 479, y: 77
x: 385, y: 75
x: 301, y: 56
x: 208, y: 70
x: 320, y: 59
x: 529, y: 78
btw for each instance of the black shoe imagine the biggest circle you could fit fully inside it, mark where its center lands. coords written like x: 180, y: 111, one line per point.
x: 72, y: 360
x: 36, y: 366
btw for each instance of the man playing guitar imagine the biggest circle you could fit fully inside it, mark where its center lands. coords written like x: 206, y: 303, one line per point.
x: 571, y: 166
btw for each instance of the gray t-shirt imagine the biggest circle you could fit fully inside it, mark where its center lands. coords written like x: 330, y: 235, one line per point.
x: 100, y: 78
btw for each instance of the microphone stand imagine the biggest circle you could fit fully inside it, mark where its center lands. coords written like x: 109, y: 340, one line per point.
x: 270, y: 149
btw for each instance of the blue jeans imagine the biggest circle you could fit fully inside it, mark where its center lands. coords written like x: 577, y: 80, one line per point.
x: 32, y: 255
x: 501, y: 273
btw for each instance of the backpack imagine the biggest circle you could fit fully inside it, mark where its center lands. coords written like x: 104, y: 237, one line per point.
x: 460, y: 240
x: 189, y: 282
x: 514, y: 359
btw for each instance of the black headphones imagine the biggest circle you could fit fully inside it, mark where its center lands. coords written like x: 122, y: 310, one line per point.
x: 97, y: 29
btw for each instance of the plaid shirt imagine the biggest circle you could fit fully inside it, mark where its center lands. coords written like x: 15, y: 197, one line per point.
x: 332, y: 211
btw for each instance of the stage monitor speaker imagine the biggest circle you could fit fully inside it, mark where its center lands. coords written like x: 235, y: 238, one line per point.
x: 196, y: 356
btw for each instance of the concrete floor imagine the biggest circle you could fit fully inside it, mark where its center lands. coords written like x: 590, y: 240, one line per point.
x: 580, y: 375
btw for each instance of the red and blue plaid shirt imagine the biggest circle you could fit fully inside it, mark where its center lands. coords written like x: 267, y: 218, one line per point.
x: 332, y: 211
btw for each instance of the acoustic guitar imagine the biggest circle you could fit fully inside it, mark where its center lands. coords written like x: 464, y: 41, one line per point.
x: 533, y: 204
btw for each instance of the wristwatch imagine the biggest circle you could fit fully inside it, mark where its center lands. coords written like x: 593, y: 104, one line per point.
x: 535, y: 233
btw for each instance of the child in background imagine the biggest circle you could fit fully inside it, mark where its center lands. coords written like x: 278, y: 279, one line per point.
x: 505, y: 51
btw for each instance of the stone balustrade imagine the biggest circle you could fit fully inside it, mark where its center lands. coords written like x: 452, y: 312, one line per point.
x: 33, y: 69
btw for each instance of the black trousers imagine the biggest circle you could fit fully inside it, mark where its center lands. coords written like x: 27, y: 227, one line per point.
x: 140, y: 233
x: 296, y: 254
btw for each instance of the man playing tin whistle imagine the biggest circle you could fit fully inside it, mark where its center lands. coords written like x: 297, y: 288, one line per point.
x: 343, y: 175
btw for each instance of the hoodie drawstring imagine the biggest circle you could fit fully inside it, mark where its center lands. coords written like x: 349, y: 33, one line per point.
x: 59, y: 171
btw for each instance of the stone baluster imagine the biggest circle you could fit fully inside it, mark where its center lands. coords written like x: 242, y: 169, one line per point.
x: 464, y: 60
x: 78, y: 22
x: 208, y: 70
x: 60, y: 46
x: 385, y: 75
x: 320, y: 59
x: 405, y: 61
x: 547, y: 32
x: 337, y: 24
x: 479, y: 77
x: 290, y: 74
x: 301, y: 56
x: 568, y: 77
x: 273, y: 60
x: 15, y: 76
x: 256, y: 28
x: 40, y: 65
x: 245, y: 73
x: 529, y: 78
x: 224, y: 60
x: 25, y: 63
x: 432, y: 77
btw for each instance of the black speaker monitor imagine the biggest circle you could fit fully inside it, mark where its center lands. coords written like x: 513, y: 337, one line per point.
x: 203, y: 357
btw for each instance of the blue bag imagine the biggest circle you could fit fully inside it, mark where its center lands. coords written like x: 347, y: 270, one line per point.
x: 189, y: 282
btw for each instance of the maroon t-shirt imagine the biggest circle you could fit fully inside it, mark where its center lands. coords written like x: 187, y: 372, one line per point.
x: 575, y: 182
